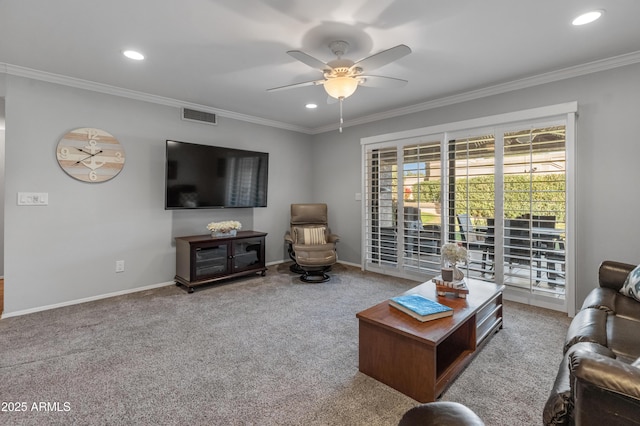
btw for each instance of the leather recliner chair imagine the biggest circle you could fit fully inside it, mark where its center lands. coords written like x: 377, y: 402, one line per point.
x: 311, y: 244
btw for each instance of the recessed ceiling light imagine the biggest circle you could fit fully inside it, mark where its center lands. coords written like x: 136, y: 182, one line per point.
x: 588, y: 17
x: 311, y: 106
x: 132, y: 54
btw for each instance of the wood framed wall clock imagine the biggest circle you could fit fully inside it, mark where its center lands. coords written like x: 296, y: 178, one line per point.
x: 90, y: 155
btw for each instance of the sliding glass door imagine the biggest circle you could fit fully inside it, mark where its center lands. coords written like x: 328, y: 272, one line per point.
x: 421, y: 206
x: 511, y: 188
x: 534, y: 215
x: 380, y: 198
x: 471, y: 200
x: 403, y: 207
x: 502, y: 191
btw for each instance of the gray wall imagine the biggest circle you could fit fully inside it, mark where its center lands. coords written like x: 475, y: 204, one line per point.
x: 66, y: 251
x: 608, y: 150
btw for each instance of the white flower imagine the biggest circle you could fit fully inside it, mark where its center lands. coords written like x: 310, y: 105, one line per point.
x: 454, y: 253
x: 224, y: 226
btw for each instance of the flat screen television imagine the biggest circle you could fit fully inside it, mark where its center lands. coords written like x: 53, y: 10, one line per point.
x: 211, y: 177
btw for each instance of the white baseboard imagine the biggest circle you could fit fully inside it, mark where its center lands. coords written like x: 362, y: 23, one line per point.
x: 87, y: 299
x: 357, y: 265
x: 118, y: 293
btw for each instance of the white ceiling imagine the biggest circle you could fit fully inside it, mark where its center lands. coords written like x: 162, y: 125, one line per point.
x: 224, y: 54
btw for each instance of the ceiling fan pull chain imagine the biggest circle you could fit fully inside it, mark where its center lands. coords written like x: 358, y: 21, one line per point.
x: 341, y: 120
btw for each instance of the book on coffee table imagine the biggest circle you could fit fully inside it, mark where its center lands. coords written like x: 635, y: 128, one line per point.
x: 460, y: 284
x: 420, y: 307
x: 459, y: 287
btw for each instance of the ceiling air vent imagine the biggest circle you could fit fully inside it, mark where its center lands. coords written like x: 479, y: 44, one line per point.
x: 199, y: 116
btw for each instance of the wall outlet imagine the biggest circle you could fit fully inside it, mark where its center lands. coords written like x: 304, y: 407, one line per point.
x: 119, y: 265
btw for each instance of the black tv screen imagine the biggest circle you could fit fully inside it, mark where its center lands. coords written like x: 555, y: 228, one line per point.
x: 209, y: 177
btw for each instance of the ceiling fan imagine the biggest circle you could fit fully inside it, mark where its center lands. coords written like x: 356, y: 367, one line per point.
x: 343, y: 76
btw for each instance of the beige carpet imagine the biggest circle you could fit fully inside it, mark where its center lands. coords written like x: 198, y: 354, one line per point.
x: 254, y: 351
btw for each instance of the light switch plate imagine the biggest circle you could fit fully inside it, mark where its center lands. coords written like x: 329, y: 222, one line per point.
x: 33, y: 198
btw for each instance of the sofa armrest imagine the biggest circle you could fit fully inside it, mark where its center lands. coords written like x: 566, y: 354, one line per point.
x: 333, y: 238
x: 604, y: 390
x: 613, y: 274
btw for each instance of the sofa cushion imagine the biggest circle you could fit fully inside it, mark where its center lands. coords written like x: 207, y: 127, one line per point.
x: 623, y: 338
x: 589, y: 325
x: 315, y: 255
x: 612, y: 301
x: 627, y: 307
x: 631, y: 286
x: 612, y: 274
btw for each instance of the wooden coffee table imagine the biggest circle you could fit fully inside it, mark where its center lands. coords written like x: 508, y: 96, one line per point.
x: 421, y: 359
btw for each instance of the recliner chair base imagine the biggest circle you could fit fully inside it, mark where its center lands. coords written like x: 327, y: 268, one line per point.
x: 314, y: 277
x: 296, y: 269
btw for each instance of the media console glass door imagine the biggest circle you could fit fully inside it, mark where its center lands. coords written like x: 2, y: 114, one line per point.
x: 210, y: 261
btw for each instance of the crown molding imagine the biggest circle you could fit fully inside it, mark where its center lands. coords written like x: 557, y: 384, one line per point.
x: 523, y: 83
x: 140, y: 96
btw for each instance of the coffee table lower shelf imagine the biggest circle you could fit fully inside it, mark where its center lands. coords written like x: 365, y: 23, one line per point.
x: 422, y: 359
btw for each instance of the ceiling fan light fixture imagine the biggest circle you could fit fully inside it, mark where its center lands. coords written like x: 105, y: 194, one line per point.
x: 341, y: 87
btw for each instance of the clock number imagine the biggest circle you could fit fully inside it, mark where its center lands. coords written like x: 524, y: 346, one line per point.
x: 93, y: 175
x: 118, y: 158
x: 64, y: 153
x: 92, y: 134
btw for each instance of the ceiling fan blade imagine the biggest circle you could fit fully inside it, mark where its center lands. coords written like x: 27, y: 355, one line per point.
x: 381, y: 82
x: 309, y: 60
x: 293, y: 86
x: 383, y: 58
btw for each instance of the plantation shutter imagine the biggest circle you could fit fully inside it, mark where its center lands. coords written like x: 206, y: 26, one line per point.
x: 422, y: 188
x: 380, y: 201
x: 471, y: 195
x: 535, y: 209
x: 402, y: 207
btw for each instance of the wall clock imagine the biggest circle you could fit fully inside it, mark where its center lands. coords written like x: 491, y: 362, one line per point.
x: 90, y: 155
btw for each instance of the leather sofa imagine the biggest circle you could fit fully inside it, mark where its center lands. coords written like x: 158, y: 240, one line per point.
x: 598, y: 382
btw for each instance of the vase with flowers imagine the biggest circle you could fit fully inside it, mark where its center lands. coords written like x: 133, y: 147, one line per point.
x: 227, y: 228
x: 452, y: 254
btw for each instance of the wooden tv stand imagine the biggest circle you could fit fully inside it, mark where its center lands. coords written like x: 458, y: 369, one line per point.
x: 202, y: 259
x: 421, y: 359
